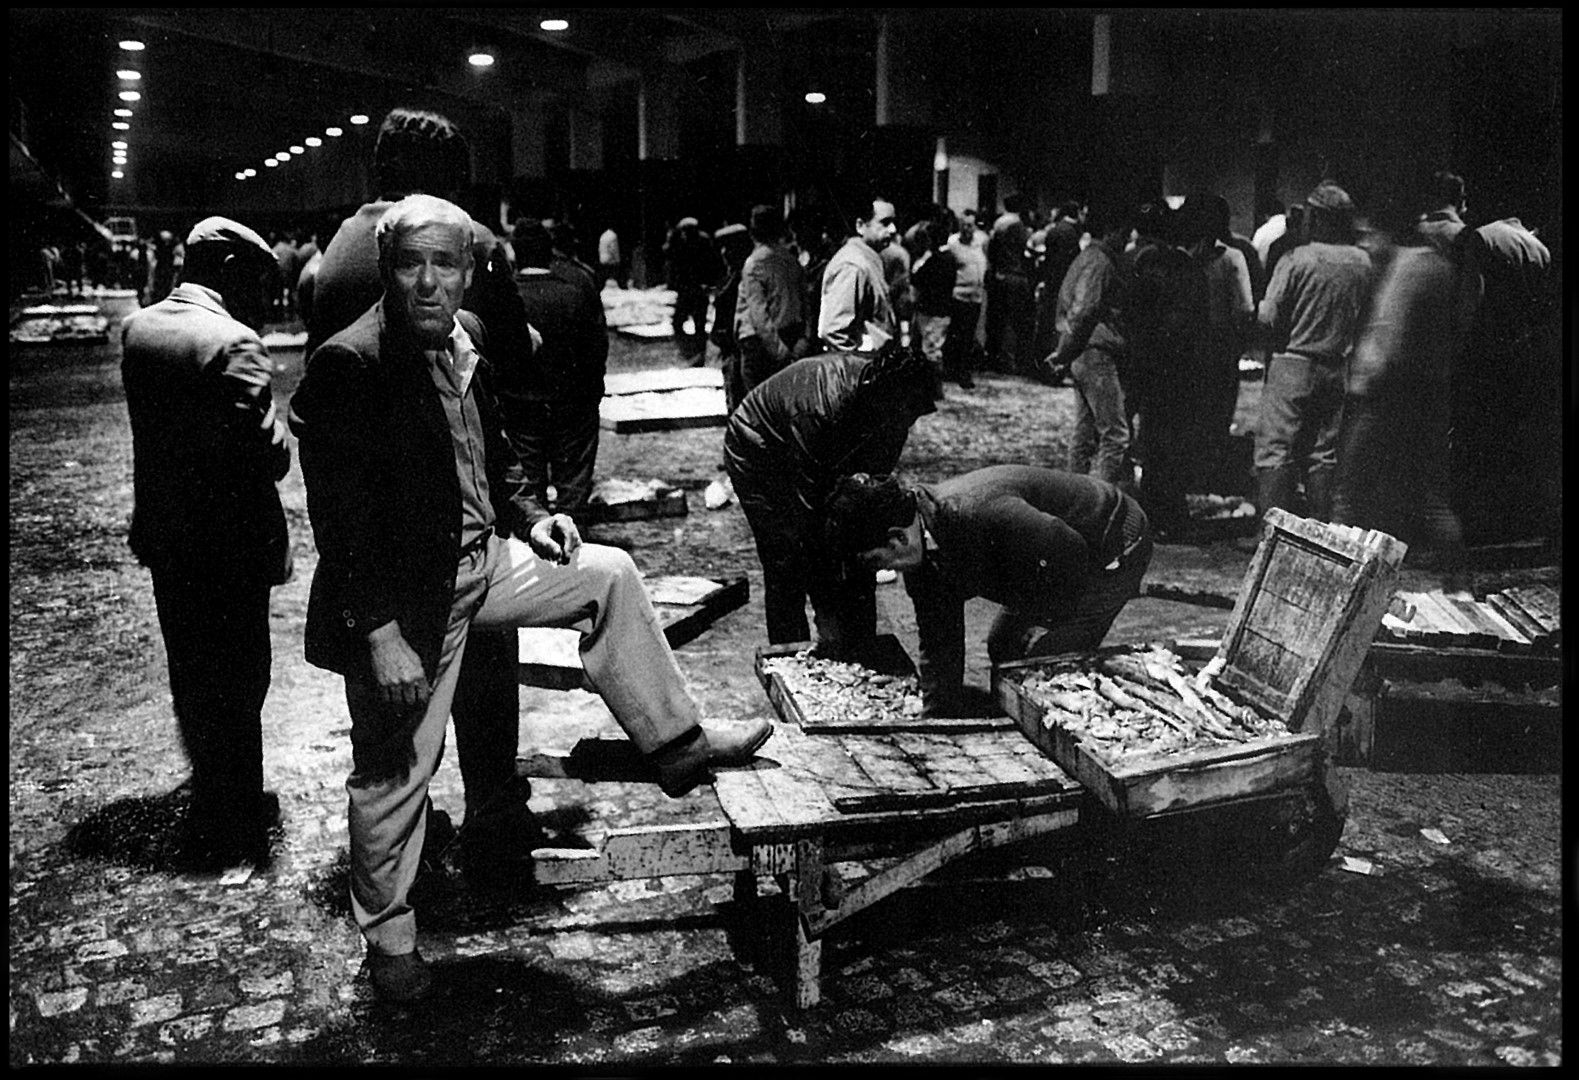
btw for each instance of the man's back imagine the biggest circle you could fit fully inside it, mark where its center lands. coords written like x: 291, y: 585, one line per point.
x: 1314, y: 300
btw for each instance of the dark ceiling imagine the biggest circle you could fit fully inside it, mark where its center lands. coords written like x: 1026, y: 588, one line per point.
x: 224, y: 88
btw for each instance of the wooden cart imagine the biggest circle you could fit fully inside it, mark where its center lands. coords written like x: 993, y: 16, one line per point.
x: 919, y: 795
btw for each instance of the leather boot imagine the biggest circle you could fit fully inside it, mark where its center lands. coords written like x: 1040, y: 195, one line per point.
x: 1277, y: 486
x: 689, y: 760
x: 1318, y: 494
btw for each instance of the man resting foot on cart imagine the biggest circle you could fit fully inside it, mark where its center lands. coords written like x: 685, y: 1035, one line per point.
x: 1062, y: 553
x: 426, y: 528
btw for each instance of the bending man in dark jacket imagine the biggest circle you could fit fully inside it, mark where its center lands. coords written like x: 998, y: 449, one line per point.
x: 785, y: 446
x: 425, y: 527
x: 1062, y: 554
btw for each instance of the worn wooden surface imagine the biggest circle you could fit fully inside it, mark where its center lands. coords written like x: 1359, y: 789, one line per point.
x: 550, y: 657
x: 660, y: 380
x: 905, y: 783
x: 666, y: 410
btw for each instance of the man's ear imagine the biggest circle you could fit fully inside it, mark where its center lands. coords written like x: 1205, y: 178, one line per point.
x: 898, y: 534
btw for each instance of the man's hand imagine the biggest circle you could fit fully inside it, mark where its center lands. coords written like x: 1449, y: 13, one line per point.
x: 397, y: 671
x: 555, y: 538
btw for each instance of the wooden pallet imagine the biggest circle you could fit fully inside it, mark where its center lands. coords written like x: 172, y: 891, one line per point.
x: 658, y: 380
x: 1520, y: 620
x: 550, y: 657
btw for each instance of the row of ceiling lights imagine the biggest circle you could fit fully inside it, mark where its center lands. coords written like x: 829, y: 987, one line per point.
x: 129, y: 78
x: 479, y: 58
x: 334, y: 131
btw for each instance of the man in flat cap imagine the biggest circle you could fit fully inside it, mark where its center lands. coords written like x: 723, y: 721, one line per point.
x: 1311, y: 315
x: 427, y: 530
x: 207, y: 451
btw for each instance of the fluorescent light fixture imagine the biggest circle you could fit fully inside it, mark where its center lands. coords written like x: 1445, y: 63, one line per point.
x: 121, y: 125
x: 554, y: 24
x: 313, y: 140
x: 119, y: 144
x: 118, y: 175
x: 128, y: 74
x: 359, y: 118
x: 480, y: 59
x: 123, y: 112
x: 271, y: 164
x: 132, y: 45
x: 298, y: 149
x: 130, y: 95
x: 334, y: 132
x: 282, y: 156
x: 816, y: 97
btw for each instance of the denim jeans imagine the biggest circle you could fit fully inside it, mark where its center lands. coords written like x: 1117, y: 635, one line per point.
x: 1101, y: 436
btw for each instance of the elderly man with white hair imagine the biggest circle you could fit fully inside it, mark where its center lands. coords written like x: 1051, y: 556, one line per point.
x: 426, y: 528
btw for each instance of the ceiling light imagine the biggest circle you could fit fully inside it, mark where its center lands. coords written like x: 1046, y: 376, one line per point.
x: 123, y: 112
x: 359, y: 118
x: 313, y: 140
x: 130, y: 95
x: 298, y: 149
x: 480, y: 59
x: 554, y: 24
x: 271, y: 164
x: 117, y: 174
x: 334, y: 132
x: 128, y: 74
x: 816, y: 97
x: 119, y: 144
x: 282, y: 156
x: 241, y: 176
x: 131, y: 45
x: 250, y: 172
x: 121, y: 125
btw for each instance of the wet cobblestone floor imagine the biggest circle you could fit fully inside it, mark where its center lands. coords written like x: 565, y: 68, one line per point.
x: 1162, y: 945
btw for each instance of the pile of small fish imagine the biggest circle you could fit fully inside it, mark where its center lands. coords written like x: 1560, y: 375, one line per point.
x: 1136, y: 704
x: 833, y: 690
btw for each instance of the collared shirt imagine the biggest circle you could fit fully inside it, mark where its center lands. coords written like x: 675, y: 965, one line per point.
x: 452, y: 368
x: 854, y: 292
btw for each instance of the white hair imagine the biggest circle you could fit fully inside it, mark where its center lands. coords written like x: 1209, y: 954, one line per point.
x: 415, y: 211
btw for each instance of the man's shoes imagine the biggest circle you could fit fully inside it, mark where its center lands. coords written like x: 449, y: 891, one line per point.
x: 688, y: 761
x: 219, y: 837
x: 497, y: 842
x: 399, y: 978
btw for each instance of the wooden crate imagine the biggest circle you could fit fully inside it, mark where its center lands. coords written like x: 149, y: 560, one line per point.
x: 887, y: 657
x: 664, y: 410
x: 610, y: 504
x: 550, y: 657
x: 1311, y: 602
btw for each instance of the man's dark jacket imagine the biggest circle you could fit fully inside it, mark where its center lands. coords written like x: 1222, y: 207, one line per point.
x: 383, y: 493
x: 1024, y: 537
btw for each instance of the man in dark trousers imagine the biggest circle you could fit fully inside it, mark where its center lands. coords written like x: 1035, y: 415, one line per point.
x: 784, y: 447
x: 549, y: 402
x: 207, y: 451
x: 426, y: 527
x: 1061, y: 553
x: 421, y: 151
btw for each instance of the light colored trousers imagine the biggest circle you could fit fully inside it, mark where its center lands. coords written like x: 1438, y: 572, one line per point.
x: 626, y: 656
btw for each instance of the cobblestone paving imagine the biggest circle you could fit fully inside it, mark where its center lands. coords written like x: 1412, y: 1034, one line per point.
x: 1164, y: 945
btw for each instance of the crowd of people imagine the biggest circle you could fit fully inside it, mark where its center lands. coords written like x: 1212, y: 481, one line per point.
x: 447, y: 431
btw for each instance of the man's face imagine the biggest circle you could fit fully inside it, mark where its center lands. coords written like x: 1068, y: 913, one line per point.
x: 879, y: 229
x: 428, y: 274
x: 903, y: 551
x: 967, y: 227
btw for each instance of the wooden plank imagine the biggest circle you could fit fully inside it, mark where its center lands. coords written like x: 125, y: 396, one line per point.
x: 1487, y: 634
x: 1540, y: 603
x: 663, y: 850
x: 684, y: 623
x: 1520, y: 619
x: 887, y: 765
x: 1185, y: 594
x: 667, y: 503
x: 1510, y: 638
x: 1208, y: 782
x: 1444, y: 623
x: 657, y: 380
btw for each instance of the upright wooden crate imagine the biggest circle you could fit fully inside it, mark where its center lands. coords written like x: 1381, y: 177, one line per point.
x: 1309, y: 607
